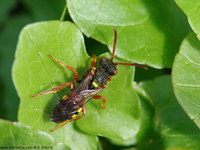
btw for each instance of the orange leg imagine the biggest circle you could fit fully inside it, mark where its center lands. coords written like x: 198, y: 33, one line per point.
x: 68, y: 67
x: 67, y: 121
x: 93, y: 63
x: 109, y: 78
x: 60, y: 125
x: 54, y: 90
x: 103, y: 104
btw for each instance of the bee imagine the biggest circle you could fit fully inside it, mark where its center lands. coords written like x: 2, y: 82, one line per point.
x: 95, y: 79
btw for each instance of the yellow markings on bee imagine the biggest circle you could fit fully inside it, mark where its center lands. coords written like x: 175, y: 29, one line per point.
x: 73, y: 116
x: 65, y: 97
x: 93, y: 70
x: 95, y: 84
x: 79, y: 110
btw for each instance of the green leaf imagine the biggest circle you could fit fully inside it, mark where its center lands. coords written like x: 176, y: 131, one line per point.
x: 17, y: 134
x: 147, y: 122
x: 186, y: 76
x: 45, y: 9
x: 75, y: 139
x: 176, y: 129
x: 120, y: 119
x: 149, y: 32
x: 192, y: 10
x: 8, y: 40
x: 34, y: 72
x: 61, y: 146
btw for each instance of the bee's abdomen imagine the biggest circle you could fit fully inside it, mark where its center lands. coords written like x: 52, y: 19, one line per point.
x: 63, y: 111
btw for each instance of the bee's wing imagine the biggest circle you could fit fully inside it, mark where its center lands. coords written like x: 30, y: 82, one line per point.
x: 83, y: 88
x: 84, y: 84
x: 88, y: 94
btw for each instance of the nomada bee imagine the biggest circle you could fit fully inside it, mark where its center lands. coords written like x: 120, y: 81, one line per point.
x: 94, y: 80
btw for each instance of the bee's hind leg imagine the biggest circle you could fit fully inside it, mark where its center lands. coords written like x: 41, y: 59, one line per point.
x: 103, y: 104
x: 73, y: 119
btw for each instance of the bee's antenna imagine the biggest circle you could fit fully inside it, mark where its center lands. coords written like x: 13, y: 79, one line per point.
x: 114, y: 44
x: 136, y: 65
x: 113, y: 53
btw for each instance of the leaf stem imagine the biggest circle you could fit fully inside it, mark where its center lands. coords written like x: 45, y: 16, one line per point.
x: 63, y: 13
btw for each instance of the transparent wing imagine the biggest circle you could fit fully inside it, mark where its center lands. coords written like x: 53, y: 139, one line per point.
x: 88, y: 94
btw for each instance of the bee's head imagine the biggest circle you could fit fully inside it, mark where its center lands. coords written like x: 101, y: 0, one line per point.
x: 108, y: 66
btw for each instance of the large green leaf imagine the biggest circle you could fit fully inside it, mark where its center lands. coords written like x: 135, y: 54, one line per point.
x: 192, y: 10
x: 176, y: 129
x: 149, y: 31
x: 34, y: 71
x: 16, y: 134
x: 186, y: 77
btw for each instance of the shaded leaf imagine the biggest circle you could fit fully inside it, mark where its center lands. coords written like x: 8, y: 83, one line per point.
x: 149, y: 32
x: 186, y: 77
x: 45, y: 9
x: 5, y: 7
x: 148, y: 124
x: 176, y: 129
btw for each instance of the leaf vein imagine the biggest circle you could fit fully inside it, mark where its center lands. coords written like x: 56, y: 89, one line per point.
x: 12, y: 136
x: 187, y: 85
x: 192, y: 62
